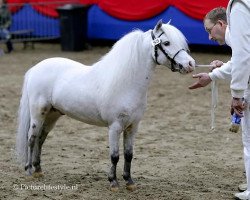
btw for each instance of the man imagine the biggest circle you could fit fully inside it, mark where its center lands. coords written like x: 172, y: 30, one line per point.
x: 235, y: 31
x: 5, y: 22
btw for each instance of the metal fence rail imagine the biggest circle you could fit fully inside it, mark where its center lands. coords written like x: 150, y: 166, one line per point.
x: 29, y: 24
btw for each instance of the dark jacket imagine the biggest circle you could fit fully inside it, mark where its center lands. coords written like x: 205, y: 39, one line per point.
x: 5, y: 17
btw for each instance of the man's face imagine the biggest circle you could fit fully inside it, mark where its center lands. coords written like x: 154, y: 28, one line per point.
x: 216, y: 31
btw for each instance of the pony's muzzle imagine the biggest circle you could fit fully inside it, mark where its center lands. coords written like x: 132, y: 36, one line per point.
x: 189, y: 68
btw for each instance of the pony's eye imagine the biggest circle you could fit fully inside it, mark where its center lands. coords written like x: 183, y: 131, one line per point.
x: 166, y: 43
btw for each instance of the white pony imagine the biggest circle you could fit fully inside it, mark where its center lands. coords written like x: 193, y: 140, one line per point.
x: 110, y: 93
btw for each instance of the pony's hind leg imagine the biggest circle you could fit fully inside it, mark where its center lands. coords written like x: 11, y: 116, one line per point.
x: 33, y: 144
x: 114, y: 135
x: 36, y: 160
x: 38, y: 113
x: 128, y: 142
x: 49, y: 123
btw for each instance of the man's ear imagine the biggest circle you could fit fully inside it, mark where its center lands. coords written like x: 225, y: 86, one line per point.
x: 222, y: 22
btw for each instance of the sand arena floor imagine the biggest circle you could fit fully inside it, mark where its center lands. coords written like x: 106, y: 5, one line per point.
x: 176, y: 155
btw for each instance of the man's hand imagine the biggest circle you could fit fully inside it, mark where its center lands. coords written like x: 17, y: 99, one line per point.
x: 203, y: 80
x: 238, y: 106
x: 215, y: 63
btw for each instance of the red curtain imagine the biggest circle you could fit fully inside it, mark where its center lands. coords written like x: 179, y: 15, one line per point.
x: 130, y: 9
x: 46, y: 7
x: 15, y: 5
x: 144, y: 9
x: 133, y: 9
x: 198, y: 9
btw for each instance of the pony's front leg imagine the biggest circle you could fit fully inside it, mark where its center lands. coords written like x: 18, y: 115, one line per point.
x: 114, y: 135
x: 128, y: 142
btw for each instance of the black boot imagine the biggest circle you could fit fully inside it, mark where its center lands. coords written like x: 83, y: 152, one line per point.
x: 9, y: 46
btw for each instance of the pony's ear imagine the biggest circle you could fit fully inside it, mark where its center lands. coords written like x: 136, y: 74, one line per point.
x: 158, y: 25
x: 169, y: 21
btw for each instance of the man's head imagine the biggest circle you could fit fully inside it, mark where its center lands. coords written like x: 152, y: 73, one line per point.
x: 215, y: 23
x: 2, y: 2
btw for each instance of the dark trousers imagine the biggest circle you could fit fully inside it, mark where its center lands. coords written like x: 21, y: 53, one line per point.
x: 9, y: 46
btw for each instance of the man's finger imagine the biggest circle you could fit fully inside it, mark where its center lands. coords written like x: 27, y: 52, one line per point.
x: 195, y: 85
x: 239, y: 113
x: 244, y: 105
x: 212, y: 68
x: 196, y: 76
x: 231, y: 111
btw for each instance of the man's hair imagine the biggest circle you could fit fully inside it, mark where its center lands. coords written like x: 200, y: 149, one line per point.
x: 216, y: 14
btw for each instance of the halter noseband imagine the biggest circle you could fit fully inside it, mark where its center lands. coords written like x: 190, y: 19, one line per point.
x: 157, y: 45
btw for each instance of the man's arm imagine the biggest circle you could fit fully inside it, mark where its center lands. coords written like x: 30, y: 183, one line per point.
x: 240, y: 40
x: 219, y: 72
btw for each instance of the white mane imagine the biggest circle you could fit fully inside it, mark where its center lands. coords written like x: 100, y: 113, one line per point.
x: 120, y: 65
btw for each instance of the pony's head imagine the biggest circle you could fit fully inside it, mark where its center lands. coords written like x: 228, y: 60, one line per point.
x: 169, y: 44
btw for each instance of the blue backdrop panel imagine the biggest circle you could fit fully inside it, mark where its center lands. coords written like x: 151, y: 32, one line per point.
x: 28, y: 18
x: 104, y: 26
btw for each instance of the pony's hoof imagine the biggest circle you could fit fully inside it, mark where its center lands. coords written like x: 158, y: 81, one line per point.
x: 37, y: 175
x: 29, y: 178
x: 131, y: 187
x: 114, y: 188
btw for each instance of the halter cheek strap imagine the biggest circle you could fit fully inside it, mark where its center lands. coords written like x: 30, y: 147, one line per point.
x: 157, y: 45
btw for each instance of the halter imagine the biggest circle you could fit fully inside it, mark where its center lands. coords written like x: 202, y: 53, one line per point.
x: 156, y: 43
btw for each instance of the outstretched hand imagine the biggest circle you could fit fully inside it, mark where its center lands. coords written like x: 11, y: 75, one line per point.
x: 203, y: 80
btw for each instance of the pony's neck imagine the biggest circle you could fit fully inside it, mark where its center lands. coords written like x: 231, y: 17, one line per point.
x: 136, y: 61
x: 129, y: 63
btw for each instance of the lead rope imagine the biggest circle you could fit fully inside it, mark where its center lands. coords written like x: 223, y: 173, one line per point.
x: 214, y: 101
x: 214, y: 97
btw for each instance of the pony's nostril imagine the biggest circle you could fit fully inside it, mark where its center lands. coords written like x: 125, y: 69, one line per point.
x: 191, y: 64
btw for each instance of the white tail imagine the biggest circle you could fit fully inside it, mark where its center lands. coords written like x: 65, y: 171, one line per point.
x: 23, y: 125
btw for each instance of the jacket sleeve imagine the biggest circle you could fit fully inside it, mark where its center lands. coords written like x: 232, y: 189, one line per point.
x: 240, y: 40
x: 8, y: 19
x: 223, y: 72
